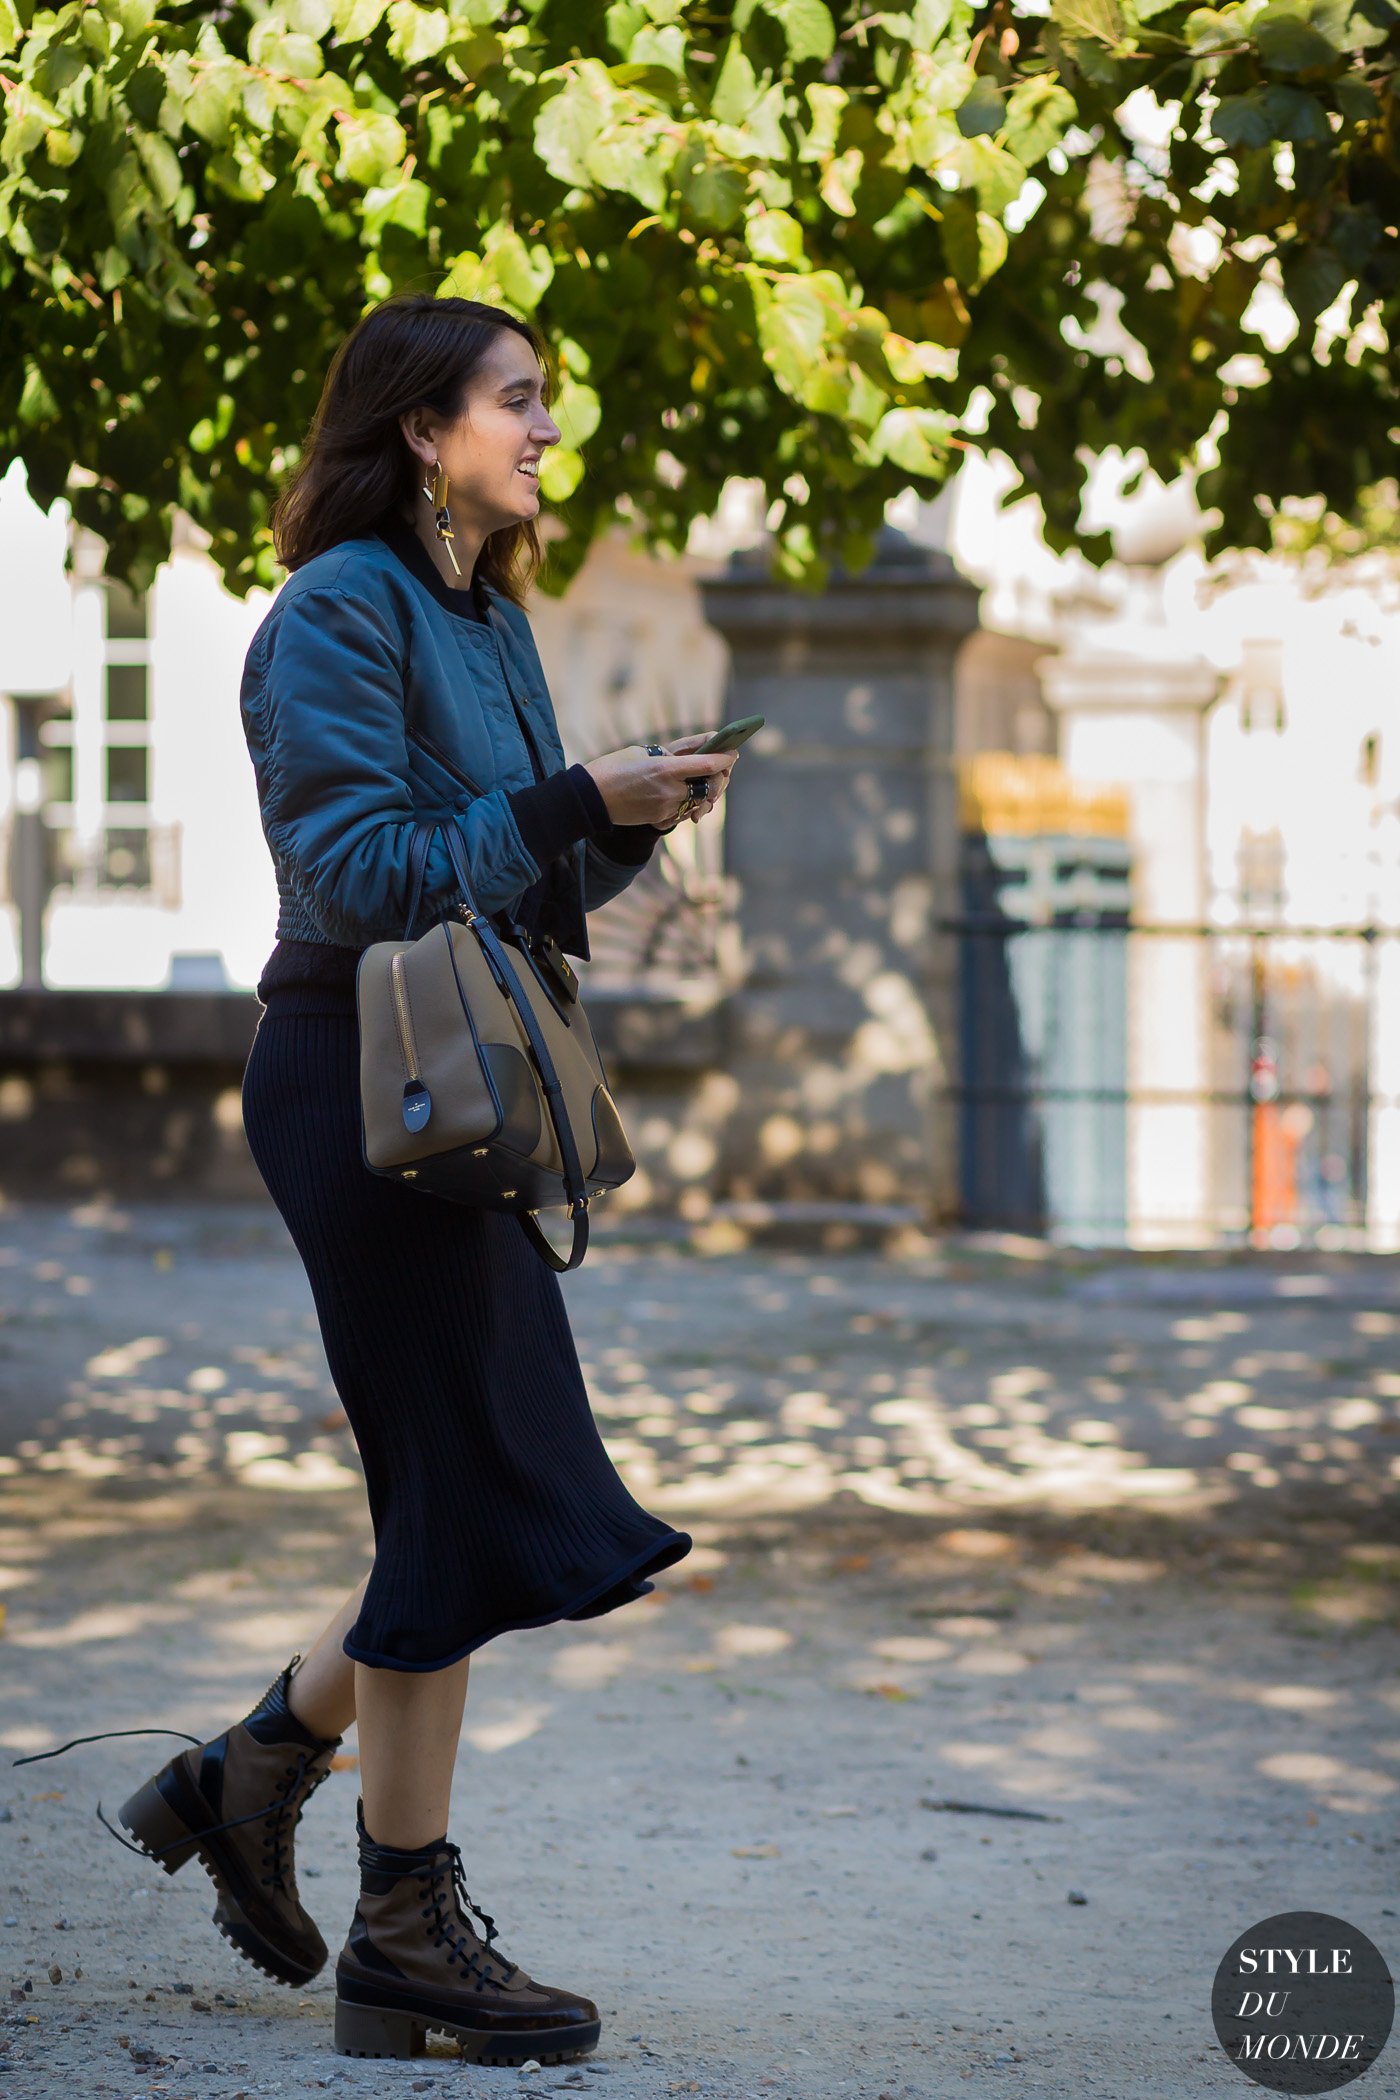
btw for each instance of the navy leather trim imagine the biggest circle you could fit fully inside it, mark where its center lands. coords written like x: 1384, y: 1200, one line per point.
x: 211, y: 1776
x: 490, y: 1136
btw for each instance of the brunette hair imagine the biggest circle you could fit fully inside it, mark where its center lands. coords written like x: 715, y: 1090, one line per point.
x: 410, y: 351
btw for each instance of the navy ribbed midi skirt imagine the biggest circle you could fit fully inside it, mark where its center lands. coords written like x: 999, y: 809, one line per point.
x: 494, y: 1503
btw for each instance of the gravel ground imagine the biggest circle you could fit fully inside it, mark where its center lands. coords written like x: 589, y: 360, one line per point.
x: 1110, y: 1542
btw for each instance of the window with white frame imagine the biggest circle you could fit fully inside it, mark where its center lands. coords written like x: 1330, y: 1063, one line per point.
x: 97, y: 756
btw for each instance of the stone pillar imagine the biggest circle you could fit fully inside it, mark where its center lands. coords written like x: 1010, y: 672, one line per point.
x: 841, y: 847
x: 1139, y: 722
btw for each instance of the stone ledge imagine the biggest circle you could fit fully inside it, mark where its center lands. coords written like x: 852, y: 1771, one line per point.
x: 633, y: 1029
x: 126, y: 1027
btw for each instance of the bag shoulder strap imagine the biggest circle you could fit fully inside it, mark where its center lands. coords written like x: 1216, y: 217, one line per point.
x: 575, y: 1182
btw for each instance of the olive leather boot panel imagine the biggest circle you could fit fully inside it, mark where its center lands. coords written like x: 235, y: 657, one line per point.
x: 412, y: 1963
x: 234, y: 1804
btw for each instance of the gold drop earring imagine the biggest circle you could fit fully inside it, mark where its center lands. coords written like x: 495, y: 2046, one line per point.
x: 436, y: 493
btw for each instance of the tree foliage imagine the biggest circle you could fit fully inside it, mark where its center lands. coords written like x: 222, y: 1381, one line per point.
x: 827, y: 246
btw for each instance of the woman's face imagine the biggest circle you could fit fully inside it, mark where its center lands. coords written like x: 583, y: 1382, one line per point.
x: 492, y: 451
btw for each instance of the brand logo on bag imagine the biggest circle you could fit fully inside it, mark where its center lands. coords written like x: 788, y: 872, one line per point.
x: 417, y: 1107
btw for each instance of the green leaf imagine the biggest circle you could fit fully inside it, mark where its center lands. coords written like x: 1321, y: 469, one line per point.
x: 402, y: 204
x: 839, y: 179
x: 162, y: 166
x: 1269, y: 113
x: 736, y: 87
x: 578, y: 412
x: 807, y: 26
x: 416, y: 33
x: 1287, y: 43
x: 664, y: 47
x: 1038, y: 114
x: 1100, y: 20
x: 36, y: 401
x: 356, y: 19
x: 282, y: 51
x: 1208, y: 31
x: 1242, y: 120
x: 1356, y: 101
x: 997, y: 176
x: 1312, y: 278
x: 621, y: 161
x: 913, y: 362
x: 773, y: 237
x: 370, y: 145
x: 913, y: 438
x: 216, y: 93
x: 984, y: 109
x: 791, y: 330
x: 713, y: 190
x: 63, y: 147
x: 827, y: 105
x: 928, y: 21
x: 561, y: 471
x: 522, y: 273
x: 974, y: 243
x: 566, y: 126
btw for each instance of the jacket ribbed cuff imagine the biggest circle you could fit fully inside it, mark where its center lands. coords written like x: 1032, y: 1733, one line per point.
x: 553, y: 814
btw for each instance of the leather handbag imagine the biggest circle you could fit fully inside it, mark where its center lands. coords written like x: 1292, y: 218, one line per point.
x: 480, y: 1078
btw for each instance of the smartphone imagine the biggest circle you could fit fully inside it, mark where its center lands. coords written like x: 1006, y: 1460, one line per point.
x: 733, y: 734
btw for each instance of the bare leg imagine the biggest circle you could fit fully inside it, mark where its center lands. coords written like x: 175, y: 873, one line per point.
x: 409, y: 1723
x: 322, y: 1691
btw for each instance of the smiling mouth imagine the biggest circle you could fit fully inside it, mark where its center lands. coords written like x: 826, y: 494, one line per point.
x: 530, y: 471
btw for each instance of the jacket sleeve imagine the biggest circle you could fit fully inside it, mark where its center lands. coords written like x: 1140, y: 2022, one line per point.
x: 606, y: 873
x: 323, y: 710
x: 613, y: 854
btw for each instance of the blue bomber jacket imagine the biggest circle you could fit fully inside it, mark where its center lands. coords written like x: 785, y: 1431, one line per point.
x: 368, y: 705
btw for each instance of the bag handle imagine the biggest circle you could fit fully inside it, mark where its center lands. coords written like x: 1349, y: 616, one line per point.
x: 417, y: 870
x: 575, y: 1181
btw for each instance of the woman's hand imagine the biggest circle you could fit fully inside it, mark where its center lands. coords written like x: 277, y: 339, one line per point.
x: 639, y: 788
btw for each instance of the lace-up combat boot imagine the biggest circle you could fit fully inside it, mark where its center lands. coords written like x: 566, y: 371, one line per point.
x: 412, y: 1962
x: 234, y: 1804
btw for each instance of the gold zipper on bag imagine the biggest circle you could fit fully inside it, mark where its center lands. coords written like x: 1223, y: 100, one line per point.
x: 417, y: 1101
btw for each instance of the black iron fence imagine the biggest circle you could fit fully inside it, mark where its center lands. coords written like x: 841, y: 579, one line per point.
x: 1124, y: 1082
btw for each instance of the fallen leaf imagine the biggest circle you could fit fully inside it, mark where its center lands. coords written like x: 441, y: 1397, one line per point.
x: 887, y: 1691
x: 345, y: 1761
x: 702, y: 1582
x: 754, y: 1852
x: 336, y: 1419
x: 853, y: 1563
x: 56, y: 1795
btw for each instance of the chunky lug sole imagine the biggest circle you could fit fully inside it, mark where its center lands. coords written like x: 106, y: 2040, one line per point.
x: 167, y: 1817
x: 387, y: 2030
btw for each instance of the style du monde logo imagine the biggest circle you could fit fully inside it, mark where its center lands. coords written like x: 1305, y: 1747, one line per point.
x: 1303, y: 2003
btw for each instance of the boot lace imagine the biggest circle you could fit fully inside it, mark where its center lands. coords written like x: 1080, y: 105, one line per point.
x: 443, y: 1910
x: 283, y: 1811
x: 283, y: 1815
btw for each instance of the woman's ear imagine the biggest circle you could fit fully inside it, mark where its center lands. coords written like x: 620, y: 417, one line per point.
x: 418, y: 436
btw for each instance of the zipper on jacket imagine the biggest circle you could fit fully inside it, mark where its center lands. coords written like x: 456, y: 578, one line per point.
x: 436, y: 751
x: 417, y: 1101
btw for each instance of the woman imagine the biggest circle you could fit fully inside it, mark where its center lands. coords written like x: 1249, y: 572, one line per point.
x: 395, y: 676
